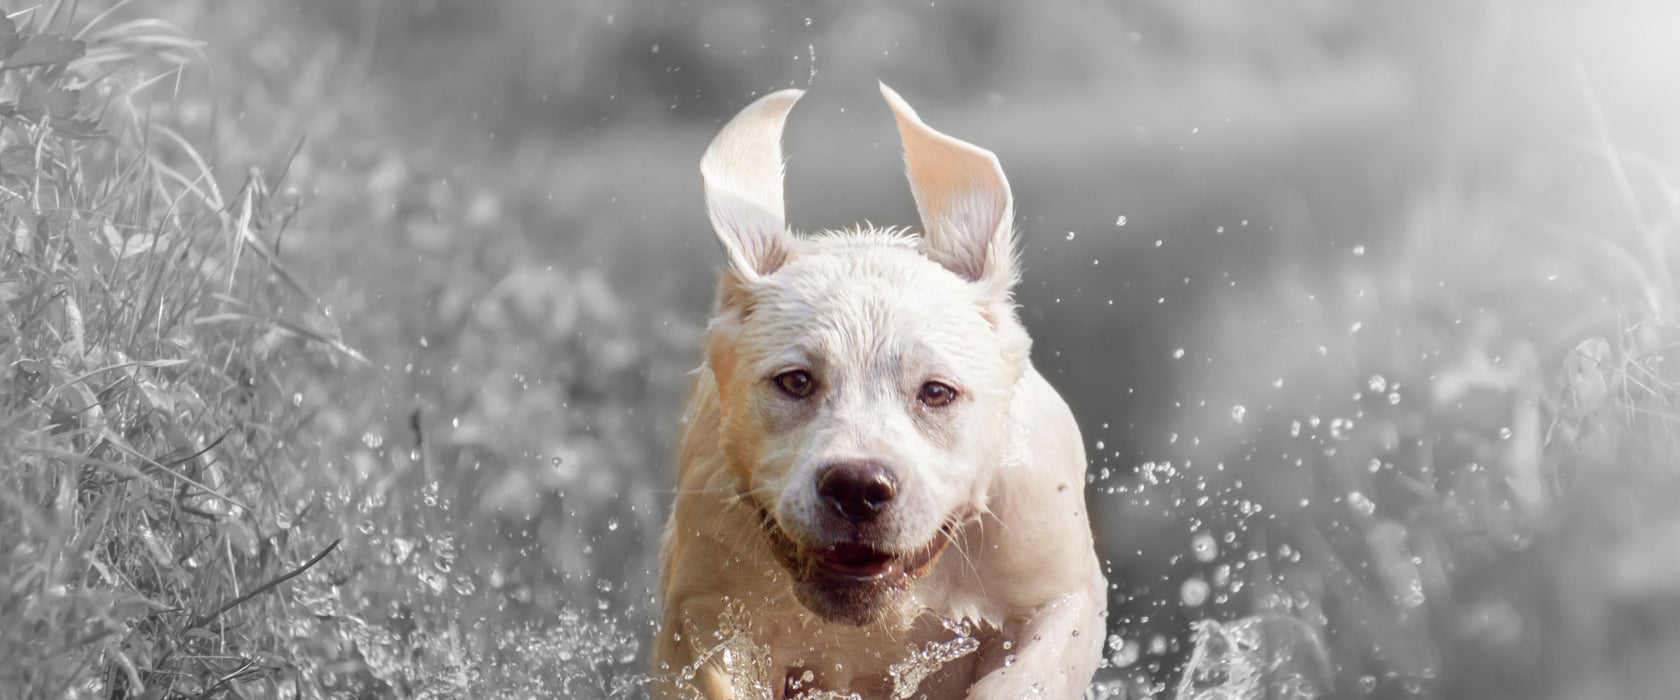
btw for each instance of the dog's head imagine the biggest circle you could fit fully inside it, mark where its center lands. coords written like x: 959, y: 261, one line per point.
x: 863, y: 376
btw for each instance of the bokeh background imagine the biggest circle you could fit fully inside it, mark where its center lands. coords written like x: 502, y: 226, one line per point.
x: 1363, y: 308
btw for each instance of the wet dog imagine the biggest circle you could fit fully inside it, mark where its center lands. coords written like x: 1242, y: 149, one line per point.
x: 878, y: 493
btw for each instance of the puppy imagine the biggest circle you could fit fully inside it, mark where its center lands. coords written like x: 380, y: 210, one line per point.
x: 878, y: 493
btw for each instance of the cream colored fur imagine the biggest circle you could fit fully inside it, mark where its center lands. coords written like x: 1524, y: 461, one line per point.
x: 873, y: 315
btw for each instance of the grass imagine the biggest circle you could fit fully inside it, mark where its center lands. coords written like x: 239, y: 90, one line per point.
x: 182, y: 444
x: 144, y: 441
x: 177, y: 524
x: 300, y: 399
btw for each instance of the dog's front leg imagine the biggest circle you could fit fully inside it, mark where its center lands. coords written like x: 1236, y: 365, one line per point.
x: 678, y: 671
x: 710, y: 682
x: 1052, y: 652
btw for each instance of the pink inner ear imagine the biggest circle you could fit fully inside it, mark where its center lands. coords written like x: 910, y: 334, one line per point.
x: 756, y: 241
x: 972, y: 215
x: 962, y: 196
x: 742, y: 175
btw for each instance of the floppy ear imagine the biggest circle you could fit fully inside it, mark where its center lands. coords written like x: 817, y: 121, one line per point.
x: 742, y: 175
x: 967, y: 212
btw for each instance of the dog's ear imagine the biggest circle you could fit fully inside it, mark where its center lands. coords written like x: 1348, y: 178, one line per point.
x: 968, y: 215
x: 742, y: 175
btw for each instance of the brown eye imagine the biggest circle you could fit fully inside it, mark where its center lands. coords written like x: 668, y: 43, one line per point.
x: 796, y: 383
x: 937, y: 394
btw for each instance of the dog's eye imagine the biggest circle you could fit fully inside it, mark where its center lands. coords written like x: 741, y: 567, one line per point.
x: 937, y: 394
x: 796, y: 383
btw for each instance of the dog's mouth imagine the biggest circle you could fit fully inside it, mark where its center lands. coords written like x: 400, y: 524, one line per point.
x: 853, y: 562
x: 863, y: 562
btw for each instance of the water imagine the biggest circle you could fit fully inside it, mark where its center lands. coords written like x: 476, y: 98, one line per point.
x: 752, y: 672
x: 1262, y: 656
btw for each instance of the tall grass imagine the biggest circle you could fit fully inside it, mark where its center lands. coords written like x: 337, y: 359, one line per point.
x: 476, y: 511
x: 142, y: 434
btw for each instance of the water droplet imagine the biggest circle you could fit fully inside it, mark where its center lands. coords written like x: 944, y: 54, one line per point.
x: 1158, y: 644
x: 1127, y: 654
x: 1361, y: 503
x: 401, y: 549
x: 1178, y: 354
x: 1070, y: 235
x: 1359, y: 250
x: 1193, y: 592
x: 431, y: 579
x: 1204, y: 547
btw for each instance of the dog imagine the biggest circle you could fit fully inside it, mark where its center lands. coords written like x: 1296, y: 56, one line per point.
x: 878, y: 494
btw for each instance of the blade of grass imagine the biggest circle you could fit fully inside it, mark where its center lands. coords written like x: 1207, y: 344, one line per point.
x: 202, y: 620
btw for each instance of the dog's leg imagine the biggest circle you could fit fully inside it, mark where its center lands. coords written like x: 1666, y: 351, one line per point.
x: 1054, y: 653
x: 674, y: 662
x: 1040, y: 557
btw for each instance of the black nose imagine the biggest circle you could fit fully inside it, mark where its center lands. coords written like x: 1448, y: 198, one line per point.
x: 858, y: 491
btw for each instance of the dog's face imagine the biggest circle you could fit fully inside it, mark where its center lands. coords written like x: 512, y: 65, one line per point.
x: 863, y: 376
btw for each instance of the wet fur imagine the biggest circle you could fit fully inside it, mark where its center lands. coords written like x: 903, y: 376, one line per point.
x: 875, y: 313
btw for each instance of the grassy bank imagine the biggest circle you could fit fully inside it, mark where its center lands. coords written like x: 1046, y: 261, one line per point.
x: 210, y: 490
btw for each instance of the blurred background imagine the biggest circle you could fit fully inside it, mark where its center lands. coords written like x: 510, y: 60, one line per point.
x: 1363, y: 308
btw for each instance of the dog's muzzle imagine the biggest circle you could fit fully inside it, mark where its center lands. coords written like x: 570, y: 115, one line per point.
x: 849, y: 581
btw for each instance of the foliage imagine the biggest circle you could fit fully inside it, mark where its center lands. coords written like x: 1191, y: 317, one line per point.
x: 143, y: 438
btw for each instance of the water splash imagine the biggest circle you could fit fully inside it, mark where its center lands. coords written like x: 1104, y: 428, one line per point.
x: 752, y: 671
x: 734, y: 648
x: 907, y: 675
x: 1261, y: 656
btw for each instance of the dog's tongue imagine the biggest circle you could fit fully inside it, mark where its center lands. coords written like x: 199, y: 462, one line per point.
x: 857, y: 560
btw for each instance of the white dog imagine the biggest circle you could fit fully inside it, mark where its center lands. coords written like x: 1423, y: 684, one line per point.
x: 866, y: 403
